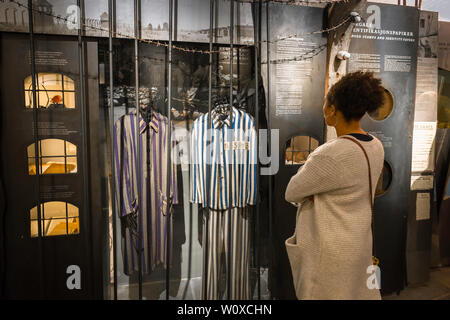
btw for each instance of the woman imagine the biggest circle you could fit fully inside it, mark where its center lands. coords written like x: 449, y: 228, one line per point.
x: 332, y: 245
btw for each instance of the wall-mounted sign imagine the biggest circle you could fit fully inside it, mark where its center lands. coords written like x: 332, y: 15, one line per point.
x: 386, y: 43
x: 425, y: 112
x: 444, y: 76
x: 444, y: 45
x: 295, y: 88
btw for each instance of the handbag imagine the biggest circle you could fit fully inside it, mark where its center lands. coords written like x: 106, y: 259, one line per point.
x: 294, y: 250
x: 375, y: 260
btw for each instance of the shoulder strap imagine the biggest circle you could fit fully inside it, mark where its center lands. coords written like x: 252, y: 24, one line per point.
x: 370, y: 189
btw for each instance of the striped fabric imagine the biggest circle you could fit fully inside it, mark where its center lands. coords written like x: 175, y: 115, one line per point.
x: 215, y: 234
x: 153, y: 173
x: 241, y: 137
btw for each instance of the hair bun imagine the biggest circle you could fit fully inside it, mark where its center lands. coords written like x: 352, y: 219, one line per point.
x: 357, y: 93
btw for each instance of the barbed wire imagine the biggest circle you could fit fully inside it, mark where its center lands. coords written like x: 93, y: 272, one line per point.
x: 115, y: 33
x: 299, y: 35
x: 307, y: 55
x: 294, y: 2
x: 158, y: 43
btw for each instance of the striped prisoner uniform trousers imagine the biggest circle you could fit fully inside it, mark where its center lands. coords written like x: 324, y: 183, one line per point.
x: 215, y: 239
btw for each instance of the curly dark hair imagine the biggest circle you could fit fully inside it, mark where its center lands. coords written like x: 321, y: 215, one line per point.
x: 355, y: 94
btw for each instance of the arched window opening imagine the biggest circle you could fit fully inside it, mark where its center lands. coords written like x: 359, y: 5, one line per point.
x: 54, y: 91
x: 56, y: 156
x: 57, y: 218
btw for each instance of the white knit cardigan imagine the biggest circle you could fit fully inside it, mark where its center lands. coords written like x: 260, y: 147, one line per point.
x: 333, y: 233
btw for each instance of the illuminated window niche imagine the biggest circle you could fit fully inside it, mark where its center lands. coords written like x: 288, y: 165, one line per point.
x: 54, y: 91
x: 57, y: 218
x: 56, y: 156
x: 386, y: 108
x: 298, y: 149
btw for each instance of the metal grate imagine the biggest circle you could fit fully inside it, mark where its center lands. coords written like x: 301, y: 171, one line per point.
x: 298, y: 149
x: 57, y: 218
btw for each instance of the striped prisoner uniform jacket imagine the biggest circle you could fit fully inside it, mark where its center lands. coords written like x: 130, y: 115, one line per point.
x: 152, y: 211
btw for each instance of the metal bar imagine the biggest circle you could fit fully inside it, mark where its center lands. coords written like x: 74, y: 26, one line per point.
x: 67, y: 219
x: 138, y: 141
x: 309, y: 146
x: 84, y: 149
x: 65, y: 157
x: 127, y: 108
x: 175, y: 22
x: 36, y: 152
x: 49, y: 90
x: 238, y: 67
x: 62, y: 89
x: 230, y: 149
x: 257, y: 34
x: 168, y: 155
x: 238, y: 52
x: 114, y: 17
x: 44, y: 233
x: 111, y: 128
x: 269, y: 138
x: 189, y: 271
x: 208, y: 163
x: 40, y: 146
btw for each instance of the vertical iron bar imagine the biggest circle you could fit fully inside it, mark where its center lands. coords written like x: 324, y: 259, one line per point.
x: 67, y: 219
x: 208, y: 159
x: 111, y: 128
x: 127, y: 111
x: 138, y: 141
x: 41, y: 159
x: 269, y: 138
x: 39, y: 97
x: 230, y: 150
x: 65, y: 157
x: 168, y: 155
x: 36, y: 152
x: 238, y: 67
x: 256, y: 27
x: 63, y: 92
x: 44, y: 232
x: 309, y: 146
x: 83, y: 112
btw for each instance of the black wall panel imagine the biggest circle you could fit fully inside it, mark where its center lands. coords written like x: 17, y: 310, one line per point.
x: 23, y: 270
x: 387, y: 45
x: 296, y: 66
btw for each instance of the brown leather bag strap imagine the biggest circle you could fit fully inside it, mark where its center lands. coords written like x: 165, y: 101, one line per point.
x: 370, y: 189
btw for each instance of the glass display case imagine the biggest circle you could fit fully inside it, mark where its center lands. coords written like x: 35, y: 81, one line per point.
x: 150, y: 142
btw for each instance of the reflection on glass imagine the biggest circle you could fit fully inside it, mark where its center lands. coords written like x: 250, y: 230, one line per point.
x: 57, y: 218
x: 386, y: 109
x: 55, y: 156
x: 53, y: 90
x: 298, y: 149
x: 385, y: 180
